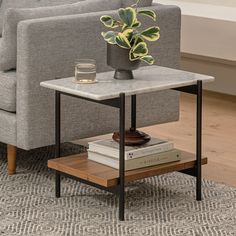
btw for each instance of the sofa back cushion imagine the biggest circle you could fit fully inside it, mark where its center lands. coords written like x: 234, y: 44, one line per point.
x: 6, y: 4
x: 142, y: 3
x: 8, y: 46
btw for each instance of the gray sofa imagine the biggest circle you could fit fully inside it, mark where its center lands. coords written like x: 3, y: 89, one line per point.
x: 47, y: 48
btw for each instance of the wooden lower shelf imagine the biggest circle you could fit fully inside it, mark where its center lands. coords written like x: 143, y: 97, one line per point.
x: 79, y: 166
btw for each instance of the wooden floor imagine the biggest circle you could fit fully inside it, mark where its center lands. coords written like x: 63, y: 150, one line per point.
x: 219, y: 134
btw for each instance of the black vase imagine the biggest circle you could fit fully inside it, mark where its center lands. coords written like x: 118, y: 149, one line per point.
x: 118, y: 58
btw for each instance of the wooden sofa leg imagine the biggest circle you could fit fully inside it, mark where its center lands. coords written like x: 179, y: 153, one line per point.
x: 11, y: 158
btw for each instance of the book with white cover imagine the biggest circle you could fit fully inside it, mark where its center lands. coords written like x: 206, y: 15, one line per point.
x: 110, y: 148
x: 151, y: 160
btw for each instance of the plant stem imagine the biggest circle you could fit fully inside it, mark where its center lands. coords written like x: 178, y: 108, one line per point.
x: 136, y: 5
x: 137, y: 2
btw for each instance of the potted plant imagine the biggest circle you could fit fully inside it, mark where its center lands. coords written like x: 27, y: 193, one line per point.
x: 126, y: 43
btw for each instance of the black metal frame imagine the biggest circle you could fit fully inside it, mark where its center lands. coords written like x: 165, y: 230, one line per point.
x: 120, y: 103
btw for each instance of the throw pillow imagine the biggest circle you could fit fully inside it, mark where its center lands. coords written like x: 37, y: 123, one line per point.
x: 6, y: 4
x: 8, y: 46
x: 142, y: 3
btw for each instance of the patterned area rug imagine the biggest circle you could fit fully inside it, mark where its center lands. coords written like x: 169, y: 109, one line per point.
x: 160, y: 206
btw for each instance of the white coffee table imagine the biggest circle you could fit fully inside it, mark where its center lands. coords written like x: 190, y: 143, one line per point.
x: 113, y: 93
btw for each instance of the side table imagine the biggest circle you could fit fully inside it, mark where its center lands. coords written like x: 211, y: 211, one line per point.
x: 111, y: 93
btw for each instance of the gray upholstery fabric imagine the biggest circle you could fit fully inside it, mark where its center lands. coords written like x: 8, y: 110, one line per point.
x: 8, y: 127
x: 8, y: 91
x: 6, y: 4
x: 142, y: 3
x: 8, y: 46
x: 48, y: 47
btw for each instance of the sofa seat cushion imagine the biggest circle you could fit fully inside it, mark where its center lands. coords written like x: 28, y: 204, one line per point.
x: 6, y: 4
x: 8, y: 91
x: 8, y: 47
x: 142, y: 3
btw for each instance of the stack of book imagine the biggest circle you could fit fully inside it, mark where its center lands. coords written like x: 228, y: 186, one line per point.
x: 155, y: 152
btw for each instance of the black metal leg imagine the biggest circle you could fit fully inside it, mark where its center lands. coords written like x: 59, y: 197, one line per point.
x: 199, y: 142
x: 58, y: 140
x: 133, y: 112
x: 58, y: 185
x: 122, y: 161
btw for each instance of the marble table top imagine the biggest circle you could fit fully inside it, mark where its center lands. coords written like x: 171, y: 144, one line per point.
x: 146, y: 79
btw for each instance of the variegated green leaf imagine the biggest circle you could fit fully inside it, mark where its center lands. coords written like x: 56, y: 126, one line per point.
x: 132, y: 57
x: 123, y: 41
x: 128, y: 16
x: 124, y: 27
x: 110, y: 37
x: 148, y: 59
x: 109, y: 22
x: 151, y: 34
x: 136, y: 24
x: 128, y: 33
x: 148, y: 13
x: 140, y: 50
x: 137, y: 39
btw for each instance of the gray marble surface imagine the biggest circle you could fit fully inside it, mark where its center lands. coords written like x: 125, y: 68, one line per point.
x: 147, y: 79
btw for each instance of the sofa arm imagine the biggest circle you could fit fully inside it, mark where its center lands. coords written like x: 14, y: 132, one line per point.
x: 48, y: 47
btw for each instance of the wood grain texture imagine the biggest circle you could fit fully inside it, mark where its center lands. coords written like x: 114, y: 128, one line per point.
x: 79, y: 166
x: 11, y: 159
x: 219, y: 134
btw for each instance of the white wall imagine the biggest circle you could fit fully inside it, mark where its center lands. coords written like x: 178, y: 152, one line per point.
x: 225, y: 74
x: 208, y: 40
